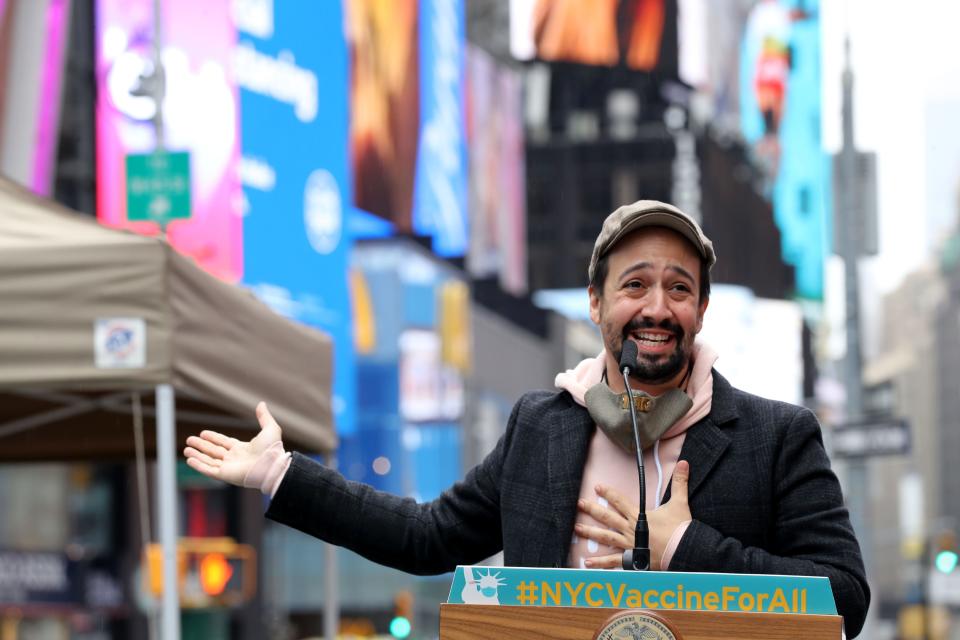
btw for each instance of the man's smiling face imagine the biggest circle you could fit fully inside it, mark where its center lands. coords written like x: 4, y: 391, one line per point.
x: 651, y: 296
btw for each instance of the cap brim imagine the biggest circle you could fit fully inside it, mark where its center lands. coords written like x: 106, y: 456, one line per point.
x: 662, y: 219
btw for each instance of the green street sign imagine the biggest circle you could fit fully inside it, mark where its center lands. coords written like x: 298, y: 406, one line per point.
x: 158, y: 187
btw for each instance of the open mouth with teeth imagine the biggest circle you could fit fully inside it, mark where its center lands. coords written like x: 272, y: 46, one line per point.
x: 653, y: 342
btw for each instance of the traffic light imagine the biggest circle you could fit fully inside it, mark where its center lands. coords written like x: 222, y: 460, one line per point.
x: 400, y: 625
x: 215, y: 572
x: 211, y: 572
x: 945, y: 557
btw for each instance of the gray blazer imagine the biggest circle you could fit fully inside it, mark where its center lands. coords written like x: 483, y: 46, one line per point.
x: 762, y: 496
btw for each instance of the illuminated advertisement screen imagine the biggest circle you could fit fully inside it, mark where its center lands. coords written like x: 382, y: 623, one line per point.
x: 48, y: 129
x: 33, y: 39
x: 406, y: 128
x: 498, y: 233
x: 292, y: 70
x: 200, y: 116
x: 780, y: 114
x: 749, y: 333
x: 4, y: 60
x: 414, y: 351
x: 607, y: 33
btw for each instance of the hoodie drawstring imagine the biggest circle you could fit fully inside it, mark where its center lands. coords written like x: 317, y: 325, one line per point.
x: 656, y: 460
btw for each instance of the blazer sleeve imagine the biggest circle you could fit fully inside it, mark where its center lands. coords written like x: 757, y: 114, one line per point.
x: 462, y: 526
x: 811, y: 532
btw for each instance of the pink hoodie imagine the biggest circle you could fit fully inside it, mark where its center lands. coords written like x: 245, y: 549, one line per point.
x: 610, y: 465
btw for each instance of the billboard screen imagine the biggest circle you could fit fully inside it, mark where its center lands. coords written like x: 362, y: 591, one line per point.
x: 385, y: 106
x: 780, y: 111
x: 756, y: 66
x: 200, y: 114
x: 347, y: 111
x: 33, y: 43
x: 498, y: 233
x: 611, y: 33
x: 293, y: 76
x: 748, y: 333
x: 406, y: 140
x: 414, y: 351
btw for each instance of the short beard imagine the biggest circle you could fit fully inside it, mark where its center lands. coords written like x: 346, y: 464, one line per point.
x: 648, y: 370
x: 658, y: 373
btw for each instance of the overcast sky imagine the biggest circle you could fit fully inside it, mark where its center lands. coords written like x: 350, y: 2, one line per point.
x: 906, y: 61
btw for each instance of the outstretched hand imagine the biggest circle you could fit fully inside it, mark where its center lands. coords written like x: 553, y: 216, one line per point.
x: 224, y: 458
x: 619, y: 520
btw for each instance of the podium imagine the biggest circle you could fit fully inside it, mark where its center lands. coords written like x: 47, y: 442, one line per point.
x: 570, y: 604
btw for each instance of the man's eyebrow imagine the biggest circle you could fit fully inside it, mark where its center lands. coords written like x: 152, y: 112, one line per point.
x: 683, y: 272
x: 637, y: 266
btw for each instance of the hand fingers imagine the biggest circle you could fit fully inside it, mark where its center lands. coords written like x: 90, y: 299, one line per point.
x: 202, y: 463
x: 219, y: 439
x: 209, y: 448
x: 613, y: 561
x: 265, y: 417
x: 191, y: 453
x: 603, y: 536
x: 603, y: 515
x: 618, y: 501
x: 680, y: 482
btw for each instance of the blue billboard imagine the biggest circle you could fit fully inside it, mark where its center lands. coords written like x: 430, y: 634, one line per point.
x: 440, y: 198
x: 780, y: 108
x: 413, y: 353
x: 292, y: 69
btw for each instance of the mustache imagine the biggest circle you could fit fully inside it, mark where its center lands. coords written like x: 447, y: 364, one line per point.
x: 645, y: 323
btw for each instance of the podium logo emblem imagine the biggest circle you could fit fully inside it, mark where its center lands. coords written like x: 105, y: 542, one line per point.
x: 482, y: 587
x: 636, y: 625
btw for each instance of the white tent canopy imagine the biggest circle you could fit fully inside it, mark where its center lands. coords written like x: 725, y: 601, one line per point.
x: 221, y: 350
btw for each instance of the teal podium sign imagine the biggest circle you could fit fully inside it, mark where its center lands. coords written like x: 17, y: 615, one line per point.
x: 158, y: 186
x: 664, y: 590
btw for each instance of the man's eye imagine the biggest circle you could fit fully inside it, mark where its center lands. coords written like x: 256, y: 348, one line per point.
x: 634, y: 284
x: 681, y: 287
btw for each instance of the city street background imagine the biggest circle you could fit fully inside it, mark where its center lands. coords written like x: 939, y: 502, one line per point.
x: 377, y: 216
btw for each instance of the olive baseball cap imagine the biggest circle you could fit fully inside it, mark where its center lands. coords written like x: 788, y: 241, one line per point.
x: 649, y: 213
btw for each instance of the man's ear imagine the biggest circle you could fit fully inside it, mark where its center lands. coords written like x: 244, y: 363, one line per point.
x: 702, y: 309
x: 594, y: 305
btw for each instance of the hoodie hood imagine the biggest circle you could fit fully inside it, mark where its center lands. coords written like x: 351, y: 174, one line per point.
x: 583, y: 376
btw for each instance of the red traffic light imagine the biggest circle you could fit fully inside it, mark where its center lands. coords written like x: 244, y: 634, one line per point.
x: 210, y: 572
x: 215, y: 573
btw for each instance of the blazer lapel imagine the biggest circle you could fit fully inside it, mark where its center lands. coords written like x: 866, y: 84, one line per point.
x: 566, y: 455
x: 702, y: 448
x: 705, y: 442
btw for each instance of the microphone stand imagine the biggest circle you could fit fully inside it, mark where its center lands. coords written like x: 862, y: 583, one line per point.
x: 638, y: 558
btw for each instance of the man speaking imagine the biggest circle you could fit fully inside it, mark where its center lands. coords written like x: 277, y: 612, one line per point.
x: 734, y: 483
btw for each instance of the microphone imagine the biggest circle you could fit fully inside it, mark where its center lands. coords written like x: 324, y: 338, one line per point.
x: 638, y: 558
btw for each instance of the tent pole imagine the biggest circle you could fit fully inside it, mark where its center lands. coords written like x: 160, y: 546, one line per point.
x: 331, y: 576
x: 167, y: 511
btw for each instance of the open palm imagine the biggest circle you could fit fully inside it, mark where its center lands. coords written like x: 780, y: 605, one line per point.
x: 228, y: 459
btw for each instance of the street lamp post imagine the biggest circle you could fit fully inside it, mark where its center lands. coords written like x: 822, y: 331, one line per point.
x: 849, y: 247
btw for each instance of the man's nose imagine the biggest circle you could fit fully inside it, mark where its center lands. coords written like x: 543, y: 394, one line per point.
x: 655, y: 307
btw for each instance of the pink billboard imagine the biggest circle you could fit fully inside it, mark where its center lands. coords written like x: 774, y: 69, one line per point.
x: 200, y: 115
x: 48, y: 115
x: 33, y: 39
x: 498, y: 220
